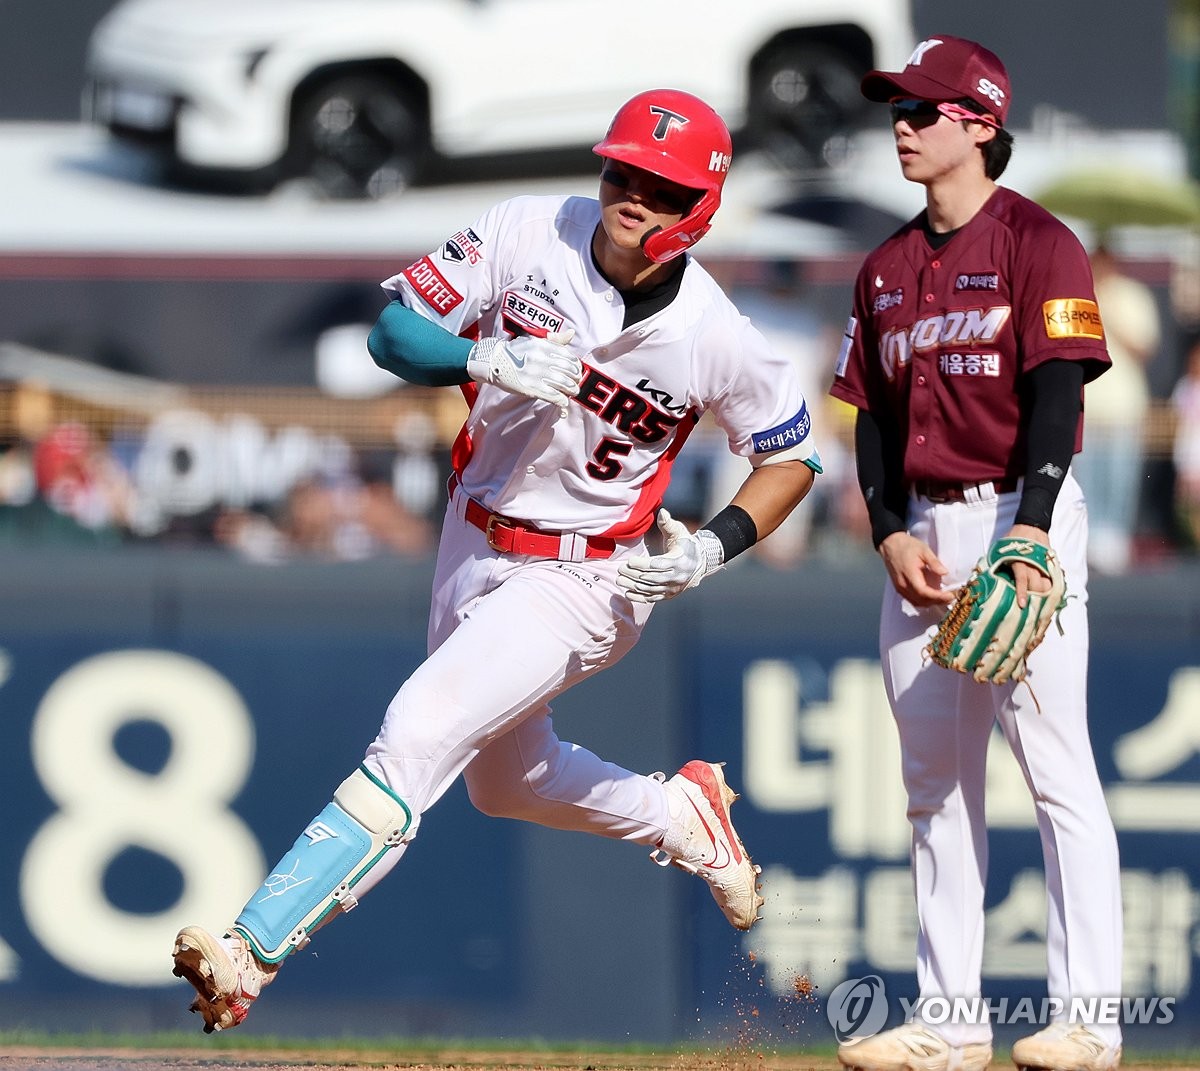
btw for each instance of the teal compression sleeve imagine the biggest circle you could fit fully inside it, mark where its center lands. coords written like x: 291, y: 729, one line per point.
x: 404, y: 343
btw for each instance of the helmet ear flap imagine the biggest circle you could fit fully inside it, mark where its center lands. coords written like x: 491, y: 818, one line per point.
x: 667, y: 243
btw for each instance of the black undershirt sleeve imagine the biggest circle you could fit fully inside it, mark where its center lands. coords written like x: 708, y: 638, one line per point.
x: 880, y: 459
x: 1052, y: 402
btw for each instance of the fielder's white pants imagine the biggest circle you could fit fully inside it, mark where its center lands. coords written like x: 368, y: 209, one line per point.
x: 506, y: 635
x: 945, y: 719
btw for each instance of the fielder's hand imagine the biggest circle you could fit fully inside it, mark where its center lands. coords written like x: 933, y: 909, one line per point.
x: 686, y: 559
x: 540, y: 368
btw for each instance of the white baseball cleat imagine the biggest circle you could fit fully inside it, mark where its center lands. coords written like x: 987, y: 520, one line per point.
x: 224, y: 972
x: 912, y: 1047
x: 701, y: 840
x: 1065, y: 1047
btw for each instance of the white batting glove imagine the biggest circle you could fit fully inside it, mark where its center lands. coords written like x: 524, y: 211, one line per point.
x: 540, y: 368
x: 687, y: 559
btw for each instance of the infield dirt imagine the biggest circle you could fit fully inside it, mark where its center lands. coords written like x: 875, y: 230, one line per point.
x: 46, y: 1059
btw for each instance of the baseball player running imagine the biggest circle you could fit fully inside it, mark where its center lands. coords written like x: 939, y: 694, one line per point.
x: 973, y: 330
x: 587, y: 343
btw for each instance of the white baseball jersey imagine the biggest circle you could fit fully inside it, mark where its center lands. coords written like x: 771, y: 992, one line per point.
x: 526, y: 267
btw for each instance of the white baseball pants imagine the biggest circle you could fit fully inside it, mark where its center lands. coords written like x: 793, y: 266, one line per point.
x: 506, y: 635
x: 945, y: 719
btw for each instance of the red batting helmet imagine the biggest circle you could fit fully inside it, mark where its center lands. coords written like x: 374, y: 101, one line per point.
x: 678, y: 137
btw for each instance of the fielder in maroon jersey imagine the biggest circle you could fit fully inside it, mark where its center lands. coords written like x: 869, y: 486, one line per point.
x: 974, y: 330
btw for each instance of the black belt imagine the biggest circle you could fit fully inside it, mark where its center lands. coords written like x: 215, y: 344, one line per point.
x: 940, y: 491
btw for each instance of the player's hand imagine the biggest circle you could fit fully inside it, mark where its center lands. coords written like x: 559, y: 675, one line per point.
x: 687, y: 558
x: 541, y: 368
x: 915, y: 571
x: 1026, y: 577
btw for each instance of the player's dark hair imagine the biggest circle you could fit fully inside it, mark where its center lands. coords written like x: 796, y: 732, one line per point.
x: 998, y: 151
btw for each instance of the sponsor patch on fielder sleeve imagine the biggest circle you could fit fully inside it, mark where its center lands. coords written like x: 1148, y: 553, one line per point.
x: 1072, y: 318
x: 847, y: 342
x: 780, y: 437
x: 439, y: 295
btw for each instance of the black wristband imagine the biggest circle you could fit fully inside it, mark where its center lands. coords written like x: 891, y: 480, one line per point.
x: 735, y: 530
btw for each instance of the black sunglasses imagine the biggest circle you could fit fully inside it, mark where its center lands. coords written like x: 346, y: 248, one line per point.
x: 922, y: 113
x: 663, y: 199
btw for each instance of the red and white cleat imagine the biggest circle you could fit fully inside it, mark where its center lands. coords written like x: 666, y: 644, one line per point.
x: 701, y: 840
x: 224, y: 972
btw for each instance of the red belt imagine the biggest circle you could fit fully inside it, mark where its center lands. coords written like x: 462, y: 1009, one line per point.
x: 938, y: 491
x: 507, y: 536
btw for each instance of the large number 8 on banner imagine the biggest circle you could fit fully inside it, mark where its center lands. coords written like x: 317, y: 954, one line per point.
x: 105, y: 806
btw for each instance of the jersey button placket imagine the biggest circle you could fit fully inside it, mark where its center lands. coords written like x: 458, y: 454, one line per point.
x: 921, y: 400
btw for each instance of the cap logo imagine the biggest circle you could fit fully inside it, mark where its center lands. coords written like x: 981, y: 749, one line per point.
x: 665, y: 118
x: 993, y: 92
x: 918, y: 53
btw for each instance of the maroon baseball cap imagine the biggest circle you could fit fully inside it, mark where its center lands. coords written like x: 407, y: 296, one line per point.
x: 944, y: 68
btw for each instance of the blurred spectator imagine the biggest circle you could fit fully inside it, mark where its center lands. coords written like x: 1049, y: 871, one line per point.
x: 83, y: 494
x: 1185, y: 401
x: 334, y: 517
x: 1110, y: 466
x: 779, y: 308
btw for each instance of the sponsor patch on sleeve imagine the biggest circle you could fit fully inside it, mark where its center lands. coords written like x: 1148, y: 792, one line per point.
x: 438, y: 294
x: 464, y: 248
x: 847, y: 341
x: 1072, y: 318
x: 792, y: 431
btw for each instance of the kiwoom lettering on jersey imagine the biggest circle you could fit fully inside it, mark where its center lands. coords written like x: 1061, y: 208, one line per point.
x: 979, y: 280
x: 429, y: 283
x: 889, y: 300
x: 464, y: 247
x: 625, y: 409
x: 520, y: 314
x: 1072, y: 318
x: 789, y: 433
x: 959, y: 327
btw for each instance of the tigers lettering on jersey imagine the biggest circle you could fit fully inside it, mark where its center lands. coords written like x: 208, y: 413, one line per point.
x: 464, y: 248
x: 428, y: 282
x: 1072, y: 318
x: 792, y: 431
x: 625, y: 409
x: 958, y: 327
x: 520, y: 315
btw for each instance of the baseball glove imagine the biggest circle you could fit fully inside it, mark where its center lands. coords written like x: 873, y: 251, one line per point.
x: 984, y: 632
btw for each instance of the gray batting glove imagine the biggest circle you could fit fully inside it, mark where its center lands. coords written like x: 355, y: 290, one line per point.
x: 541, y: 368
x: 687, y: 558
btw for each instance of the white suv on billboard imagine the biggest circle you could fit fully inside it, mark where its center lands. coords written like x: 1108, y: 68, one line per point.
x: 360, y: 96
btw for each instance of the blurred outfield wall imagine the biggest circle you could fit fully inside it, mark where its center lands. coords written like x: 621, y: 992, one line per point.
x: 170, y: 720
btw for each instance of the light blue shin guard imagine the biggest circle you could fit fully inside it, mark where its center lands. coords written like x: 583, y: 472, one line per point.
x: 363, y: 823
